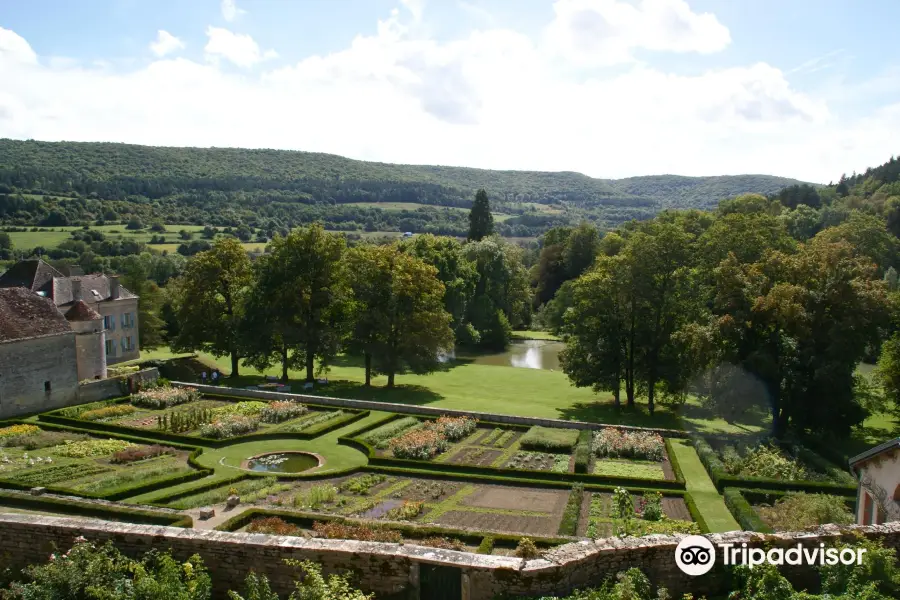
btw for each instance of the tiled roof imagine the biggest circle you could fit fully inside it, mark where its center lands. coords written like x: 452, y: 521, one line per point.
x: 34, y: 274
x: 82, y: 312
x: 94, y: 288
x: 24, y: 314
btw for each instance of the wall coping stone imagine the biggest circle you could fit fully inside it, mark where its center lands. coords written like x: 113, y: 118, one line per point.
x: 421, y: 410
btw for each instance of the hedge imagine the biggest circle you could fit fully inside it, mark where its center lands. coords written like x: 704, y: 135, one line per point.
x: 722, y: 479
x: 743, y: 512
x: 85, y: 509
x: 583, y: 451
x: 512, y: 481
x: 772, y: 496
x: 569, y: 523
x: 211, y: 485
x: 696, y: 515
x: 408, y: 530
x: 673, y: 461
x: 486, y: 546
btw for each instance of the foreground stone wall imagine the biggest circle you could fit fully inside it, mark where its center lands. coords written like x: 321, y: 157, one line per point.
x: 394, y: 569
x: 414, y: 409
x: 114, y: 387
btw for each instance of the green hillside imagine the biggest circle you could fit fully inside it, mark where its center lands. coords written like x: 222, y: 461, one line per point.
x: 273, y: 189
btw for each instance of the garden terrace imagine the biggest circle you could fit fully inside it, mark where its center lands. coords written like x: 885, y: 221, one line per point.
x: 774, y: 510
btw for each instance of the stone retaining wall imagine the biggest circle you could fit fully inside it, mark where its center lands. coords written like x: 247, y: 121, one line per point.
x: 419, y: 410
x: 389, y: 569
x: 113, y: 387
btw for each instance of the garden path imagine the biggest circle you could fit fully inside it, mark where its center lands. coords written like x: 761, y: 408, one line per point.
x: 707, y: 498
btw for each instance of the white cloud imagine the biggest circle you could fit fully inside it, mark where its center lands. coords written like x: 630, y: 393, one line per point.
x: 239, y: 48
x: 165, y: 43
x: 606, y: 32
x: 493, y: 99
x: 230, y: 10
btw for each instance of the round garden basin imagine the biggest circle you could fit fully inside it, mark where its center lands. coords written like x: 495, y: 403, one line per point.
x: 284, y: 462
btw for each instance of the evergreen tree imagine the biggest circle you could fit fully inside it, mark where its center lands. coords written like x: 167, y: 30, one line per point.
x: 481, y: 221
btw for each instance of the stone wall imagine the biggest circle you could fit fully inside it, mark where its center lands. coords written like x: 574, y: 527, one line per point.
x: 415, y: 409
x: 397, y: 568
x: 28, y: 366
x: 113, y: 387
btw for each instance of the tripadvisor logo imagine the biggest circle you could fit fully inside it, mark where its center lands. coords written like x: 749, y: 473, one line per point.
x: 696, y: 555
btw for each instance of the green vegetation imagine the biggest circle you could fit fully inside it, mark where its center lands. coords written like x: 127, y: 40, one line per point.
x: 630, y: 468
x: 798, y: 511
x: 549, y: 439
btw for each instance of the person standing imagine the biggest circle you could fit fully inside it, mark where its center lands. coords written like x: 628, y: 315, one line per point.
x: 203, y: 377
x: 215, y: 377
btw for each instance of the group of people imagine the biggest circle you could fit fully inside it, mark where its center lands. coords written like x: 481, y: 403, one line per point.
x: 214, y: 377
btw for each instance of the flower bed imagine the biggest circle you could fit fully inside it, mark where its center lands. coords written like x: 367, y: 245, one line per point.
x: 422, y: 444
x: 107, y: 412
x: 381, y: 437
x: 137, y: 453
x: 16, y: 431
x: 282, y: 410
x: 164, y: 397
x: 92, y: 447
x: 615, y: 443
x: 453, y: 428
x: 230, y: 425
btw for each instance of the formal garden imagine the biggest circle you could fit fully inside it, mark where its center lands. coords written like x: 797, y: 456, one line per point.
x: 172, y: 455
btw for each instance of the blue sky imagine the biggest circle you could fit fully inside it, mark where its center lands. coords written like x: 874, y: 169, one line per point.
x: 611, y: 88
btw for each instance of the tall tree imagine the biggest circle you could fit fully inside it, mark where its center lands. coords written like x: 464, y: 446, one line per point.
x: 136, y: 278
x: 306, y: 294
x: 481, y: 221
x: 400, y: 318
x: 208, y: 301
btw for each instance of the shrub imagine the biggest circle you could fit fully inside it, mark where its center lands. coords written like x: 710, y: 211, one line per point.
x: 42, y: 439
x: 794, y: 512
x: 444, y: 543
x: 526, y: 549
x: 569, y: 523
x: 249, y: 408
x: 116, y: 410
x: 164, y: 397
x: 92, y: 447
x: 130, y: 455
x: 313, y: 586
x: 273, y: 526
x: 229, y: 426
x: 651, y: 506
x: 18, y: 431
x: 615, y: 443
x: 381, y: 436
x: 316, y: 496
x: 487, y: 545
x: 278, y: 411
x: 454, y: 428
x: 583, y: 451
x: 335, y: 530
x: 766, y: 461
x: 422, y: 444
x: 550, y: 439
x: 405, y: 512
x: 361, y: 485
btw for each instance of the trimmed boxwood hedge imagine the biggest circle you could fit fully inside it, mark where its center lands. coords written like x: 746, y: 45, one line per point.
x: 410, y: 531
x: 722, y: 479
x: 696, y: 515
x: 743, y: 512
x: 211, y: 485
x: 569, y: 523
x: 486, y: 546
x: 86, y: 509
x: 583, y: 451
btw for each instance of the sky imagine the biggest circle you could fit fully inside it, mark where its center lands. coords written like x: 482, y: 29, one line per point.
x: 611, y: 88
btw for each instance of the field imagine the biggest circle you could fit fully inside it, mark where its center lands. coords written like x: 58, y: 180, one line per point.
x: 411, y: 206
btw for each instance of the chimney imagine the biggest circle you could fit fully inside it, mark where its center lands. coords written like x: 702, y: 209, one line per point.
x: 113, y: 287
x: 76, y: 290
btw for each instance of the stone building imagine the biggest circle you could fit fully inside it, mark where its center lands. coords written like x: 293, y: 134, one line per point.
x: 103, y: 294
x: 90, y: 340
x: 878, y: 471
x: 38, y: 365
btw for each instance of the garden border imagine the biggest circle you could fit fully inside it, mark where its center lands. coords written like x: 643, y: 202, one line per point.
x: 72, y: 507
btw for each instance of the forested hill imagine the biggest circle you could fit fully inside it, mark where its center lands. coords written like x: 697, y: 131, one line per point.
x: 239, y: 184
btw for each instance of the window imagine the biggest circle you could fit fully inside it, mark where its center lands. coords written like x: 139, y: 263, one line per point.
x: 46, y: 387
x: 124, y: 320
x: 110, y: 348
x: 868, y: 508
x: 127, y: 344
x: 108, y: 323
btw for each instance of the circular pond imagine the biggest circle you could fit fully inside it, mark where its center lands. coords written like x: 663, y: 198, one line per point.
x: 284, y: 462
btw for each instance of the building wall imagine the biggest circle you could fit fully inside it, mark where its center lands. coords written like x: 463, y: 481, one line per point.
x: 117, y: 333
x: 396, y: 568
x: 879, y: 480
x: 114, y: 387
x: 25, y: 367
x: 90, y: 349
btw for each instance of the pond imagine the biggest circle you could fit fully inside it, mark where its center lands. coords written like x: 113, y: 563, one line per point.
x: 283, y: 462
x: 525, y: 354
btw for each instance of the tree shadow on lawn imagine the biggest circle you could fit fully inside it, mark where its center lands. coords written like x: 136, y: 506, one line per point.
x: 353, y: 390
x: 358, y: 362
x: 606, y: 412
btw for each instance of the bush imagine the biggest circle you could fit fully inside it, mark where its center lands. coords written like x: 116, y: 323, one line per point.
x: 273, y: 526
x: 651, y: 506
x: 42, y: 439
x: 405, y: 512
x: 229, y: 426
x: 116, y: 410
x: 92, y: 447
x: 795, y: 512
x: 764, y: 461
x: 549, y: 439
x: 130, y: 455
x: 569, y: 523
x: 583, y: 451
x: 422, y: 444
x: 164, y: 397
x: 361, y: 485
x: 444, y: 543
x: 743, y: 513
x: 453, y: 428
x: 278, y: 411
x: 527, y: 550
x: 335, y: 530
x: 249, y: 408
x: 487, y: 545
x: 615, y: 443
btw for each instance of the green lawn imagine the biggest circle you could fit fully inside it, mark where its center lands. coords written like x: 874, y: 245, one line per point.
x: 533, y: 334
x: 628, y: 468
x: 710, y: 504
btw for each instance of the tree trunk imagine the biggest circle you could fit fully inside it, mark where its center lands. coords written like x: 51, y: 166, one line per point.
x: 617, y: 395
x: 390, y: 379
x: 651, y: 391
x: 629, y: 382
x: 235, y: 371
x: 310, y: 364
x: 368, y: 369
x: 284, y: 364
